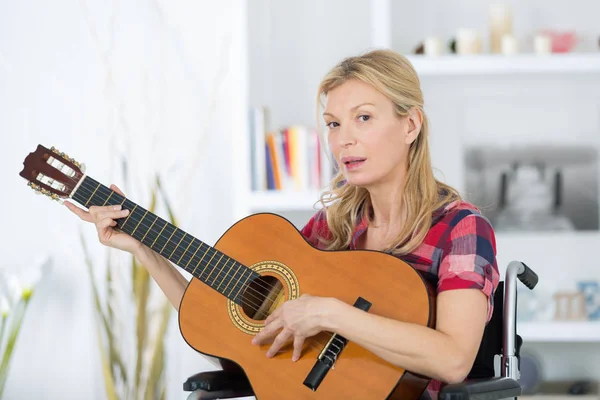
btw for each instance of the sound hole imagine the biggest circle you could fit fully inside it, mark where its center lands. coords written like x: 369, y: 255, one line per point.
x: 262, y: 297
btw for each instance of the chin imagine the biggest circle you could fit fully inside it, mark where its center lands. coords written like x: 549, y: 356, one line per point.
x: 358, y: 181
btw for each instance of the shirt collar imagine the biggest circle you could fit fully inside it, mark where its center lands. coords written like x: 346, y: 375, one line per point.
x: 363, y: 223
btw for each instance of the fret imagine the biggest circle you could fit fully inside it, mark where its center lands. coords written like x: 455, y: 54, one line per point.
x: 159, y: 233
x: 177, y: 245
x: 237, y: 276
x: 129, y: 216
x: 219, y: 269
x: 149, y: 229
x: 200, y: 262
x: 170, y: 227
x: 128, y: 223
x: 139, y: 222
x: 173, y: 246
x: 180, y: 253
x: 108, y: 198
x: 114, y: 199
x: 84, y: 195
x: 232, y: 278
x: 228, y: 266
x: 143, y: 225
x: 210, y: 270
x: 198, y: 247
x: 92, y: 195
x: 127, y: 204
x: 238, y: 282
x: 186, y: 249
x: 225, y: 277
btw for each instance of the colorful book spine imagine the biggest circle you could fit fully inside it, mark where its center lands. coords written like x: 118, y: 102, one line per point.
x: 291, y: 158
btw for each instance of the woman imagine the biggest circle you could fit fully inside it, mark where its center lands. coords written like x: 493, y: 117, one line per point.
x: 388, y: 200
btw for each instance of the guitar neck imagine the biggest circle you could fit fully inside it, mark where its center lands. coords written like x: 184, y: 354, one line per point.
x: 203, y: 261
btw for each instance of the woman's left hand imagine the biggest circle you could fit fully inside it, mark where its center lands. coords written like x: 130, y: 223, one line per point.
x: 299, y: 318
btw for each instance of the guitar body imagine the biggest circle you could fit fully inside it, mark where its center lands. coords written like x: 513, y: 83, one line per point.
x: 273, y: 247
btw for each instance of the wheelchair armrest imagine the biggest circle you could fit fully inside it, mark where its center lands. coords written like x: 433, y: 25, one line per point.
x: 482, y: 389
x: 234, y: 384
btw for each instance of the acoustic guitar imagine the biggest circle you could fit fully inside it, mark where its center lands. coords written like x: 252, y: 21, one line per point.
x: 257, y: 264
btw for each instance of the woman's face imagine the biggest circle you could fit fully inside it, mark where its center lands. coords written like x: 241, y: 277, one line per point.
x: 368, y: 139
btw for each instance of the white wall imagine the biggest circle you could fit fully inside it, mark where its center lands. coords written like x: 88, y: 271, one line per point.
x: 160, y: 83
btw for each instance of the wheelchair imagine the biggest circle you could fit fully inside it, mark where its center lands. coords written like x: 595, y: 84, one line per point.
x: 488, y: 379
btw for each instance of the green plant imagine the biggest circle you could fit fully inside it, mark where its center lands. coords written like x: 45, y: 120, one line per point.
x: 11, y: 320
x: 132, y: 355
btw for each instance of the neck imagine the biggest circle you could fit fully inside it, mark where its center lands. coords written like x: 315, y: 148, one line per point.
x: 206, y: 263
x: 387, y: 203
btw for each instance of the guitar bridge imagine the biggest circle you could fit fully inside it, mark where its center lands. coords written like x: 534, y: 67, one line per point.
x: 330, y: 353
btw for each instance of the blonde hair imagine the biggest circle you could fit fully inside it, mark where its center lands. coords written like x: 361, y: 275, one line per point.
x: 394, y: 76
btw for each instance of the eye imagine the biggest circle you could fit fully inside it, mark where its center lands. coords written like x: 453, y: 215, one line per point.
x: 330, y: 126
x: 365, y: 118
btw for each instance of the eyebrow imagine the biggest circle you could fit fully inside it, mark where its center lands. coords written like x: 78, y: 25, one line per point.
x: 352, y: 109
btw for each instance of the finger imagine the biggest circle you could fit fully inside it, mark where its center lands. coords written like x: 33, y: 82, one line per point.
x: 98, y: 212
x: 273, y: 316
x: 106, y: 223
x: 116, y: 189
x: 268, y: 331
x: 84, y: 215
x: 112, y: 214
x: 298, y: 345
x: 279, y: 341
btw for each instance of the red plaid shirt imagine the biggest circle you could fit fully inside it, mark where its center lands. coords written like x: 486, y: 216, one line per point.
x: 458, y: 252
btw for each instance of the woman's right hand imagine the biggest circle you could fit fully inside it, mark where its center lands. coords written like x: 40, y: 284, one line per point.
x: 104, y: 219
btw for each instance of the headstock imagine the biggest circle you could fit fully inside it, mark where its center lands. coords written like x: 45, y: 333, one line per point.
x: 52, y: 172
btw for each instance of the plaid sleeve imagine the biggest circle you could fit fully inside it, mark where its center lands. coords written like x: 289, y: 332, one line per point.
x: 315, y: 228
x: 469, y: 258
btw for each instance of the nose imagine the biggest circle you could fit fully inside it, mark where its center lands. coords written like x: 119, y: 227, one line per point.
x: 346, y: 137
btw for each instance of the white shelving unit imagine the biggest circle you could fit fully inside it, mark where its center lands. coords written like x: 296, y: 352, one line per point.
x: 560, y: 331
x: 277, y: 50
x: 492, y: 64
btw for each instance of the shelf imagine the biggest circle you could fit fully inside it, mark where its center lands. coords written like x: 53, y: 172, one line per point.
x: 489, y: 64
x: 277, y: 201
x: 559, y: 331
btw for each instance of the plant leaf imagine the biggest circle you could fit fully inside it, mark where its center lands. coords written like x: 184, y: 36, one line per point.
x: 15, y: 328
x: 106, y: 325
x: 155, y: 377
x: 142, y: 322
x: 109, y: 383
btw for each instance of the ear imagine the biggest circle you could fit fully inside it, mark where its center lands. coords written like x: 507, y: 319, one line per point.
x: 414, y: 121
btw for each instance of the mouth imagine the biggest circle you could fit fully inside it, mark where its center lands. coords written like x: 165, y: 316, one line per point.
x: 351, y: 162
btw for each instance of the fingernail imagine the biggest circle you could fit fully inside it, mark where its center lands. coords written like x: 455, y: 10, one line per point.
x: 117, y: 207
x: 125, y: 212
x: 294, y: 359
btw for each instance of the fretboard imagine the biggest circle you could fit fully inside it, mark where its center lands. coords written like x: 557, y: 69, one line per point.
x: 214, y: 268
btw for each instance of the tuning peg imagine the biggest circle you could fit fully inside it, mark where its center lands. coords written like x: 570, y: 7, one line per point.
x: 64, y: 155
x: 40, y: 190
x: 35, y: 188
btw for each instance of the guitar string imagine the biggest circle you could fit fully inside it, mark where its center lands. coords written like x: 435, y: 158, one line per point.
x: 268, y: 299
x: 259, y: 295
x: 104, y: 188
